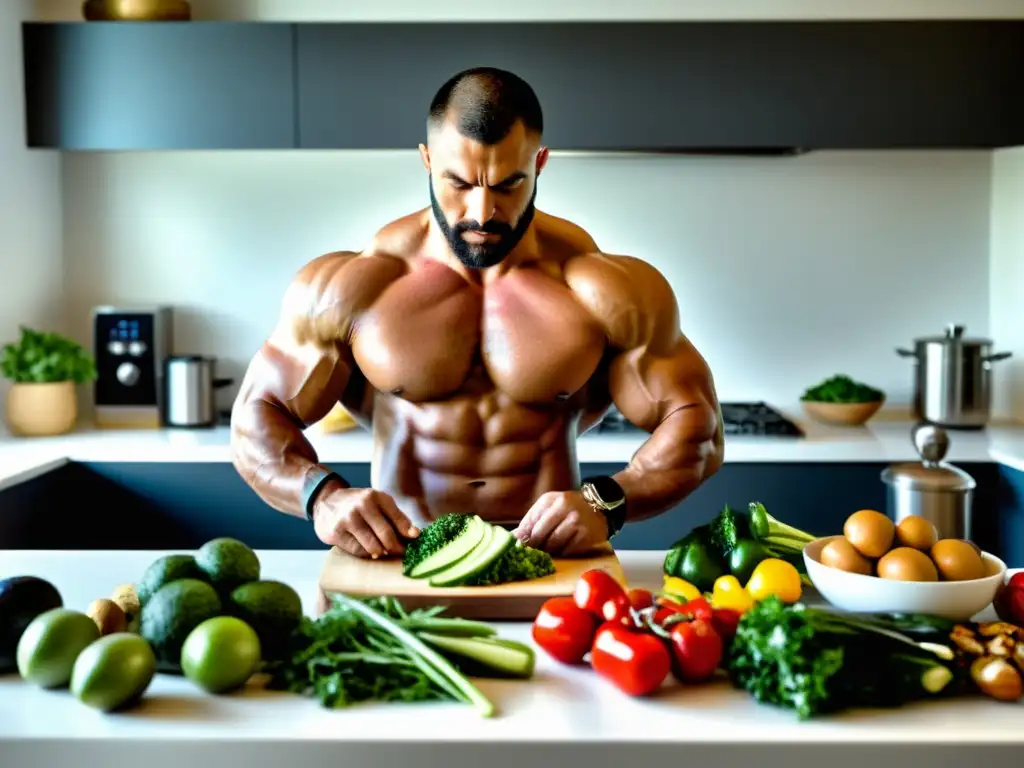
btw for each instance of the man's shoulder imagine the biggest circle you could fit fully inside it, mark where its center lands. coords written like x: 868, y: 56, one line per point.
x: 628, y: 295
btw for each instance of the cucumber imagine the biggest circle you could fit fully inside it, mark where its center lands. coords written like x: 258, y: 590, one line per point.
x: 494, y: 545
x: 452, y: 552
x: 492, y: 657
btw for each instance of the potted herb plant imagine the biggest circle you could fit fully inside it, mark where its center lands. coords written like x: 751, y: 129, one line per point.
x: 842, y: 400
x: 44, y: 368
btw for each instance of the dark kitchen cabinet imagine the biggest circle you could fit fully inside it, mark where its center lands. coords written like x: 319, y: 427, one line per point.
x: 680, y: 85
x: 149, y: 86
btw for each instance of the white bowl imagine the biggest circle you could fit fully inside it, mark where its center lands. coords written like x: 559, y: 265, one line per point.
x: 955, y: 600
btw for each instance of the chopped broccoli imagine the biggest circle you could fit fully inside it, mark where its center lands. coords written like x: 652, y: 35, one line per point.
x: 443, y: 530
x: 727, y: 529
x: 519, y: 563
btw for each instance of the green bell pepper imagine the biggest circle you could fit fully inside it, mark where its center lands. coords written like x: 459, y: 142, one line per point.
x: 744, y: 558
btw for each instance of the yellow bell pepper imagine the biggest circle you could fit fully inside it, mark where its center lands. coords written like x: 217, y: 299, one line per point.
x: 729, y: 593
x: 680, y: 589
x: 775, y: 577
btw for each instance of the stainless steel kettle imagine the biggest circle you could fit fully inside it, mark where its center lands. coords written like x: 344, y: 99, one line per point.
x: 953, y: 379
x: 191, y: 384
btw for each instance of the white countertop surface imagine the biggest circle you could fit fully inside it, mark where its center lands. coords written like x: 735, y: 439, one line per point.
x: 179, y: 725
x: 879, y: 441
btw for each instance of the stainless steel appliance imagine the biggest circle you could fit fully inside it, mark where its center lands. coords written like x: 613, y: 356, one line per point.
x: 931, y: 488
x: 953, y: 378
x: 192, y: 384
x: 130, y: 344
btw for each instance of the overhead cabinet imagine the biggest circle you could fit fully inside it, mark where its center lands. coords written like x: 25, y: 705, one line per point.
x: 151, y: 86
x: 604, y: 86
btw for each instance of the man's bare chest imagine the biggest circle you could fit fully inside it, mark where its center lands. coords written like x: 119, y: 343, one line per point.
x: 525, y: 336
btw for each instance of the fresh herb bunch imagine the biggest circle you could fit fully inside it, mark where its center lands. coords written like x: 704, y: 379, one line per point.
x: 842, y: 389
x: 370, y: 650
x: 41, y: 357
x: 814, y: 661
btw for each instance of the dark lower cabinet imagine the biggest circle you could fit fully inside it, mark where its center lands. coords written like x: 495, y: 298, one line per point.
x: 149, y: 86
x: 680, y: 85
x: 148, y: 505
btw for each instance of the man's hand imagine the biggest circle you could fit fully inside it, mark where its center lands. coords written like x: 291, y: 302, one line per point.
x: 563, y: 523
x: 362, y: 522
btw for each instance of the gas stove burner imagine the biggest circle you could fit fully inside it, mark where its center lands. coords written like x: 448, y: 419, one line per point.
x: 740, y: 419
x: 757, y: 419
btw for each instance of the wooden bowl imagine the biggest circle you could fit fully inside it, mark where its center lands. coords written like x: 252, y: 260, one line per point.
x: 844, y: 414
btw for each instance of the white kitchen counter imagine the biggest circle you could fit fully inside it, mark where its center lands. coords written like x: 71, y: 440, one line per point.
x: 562, y: 715
x: 880, y: 441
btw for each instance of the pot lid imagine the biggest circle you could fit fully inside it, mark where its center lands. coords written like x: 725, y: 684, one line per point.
x: 954, y: 334
x: 931, y: 473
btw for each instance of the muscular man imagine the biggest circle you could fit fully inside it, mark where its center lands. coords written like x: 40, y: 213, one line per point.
x: 482, y: 336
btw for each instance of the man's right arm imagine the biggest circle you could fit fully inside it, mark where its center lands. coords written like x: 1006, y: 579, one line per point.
x: 298, y: 375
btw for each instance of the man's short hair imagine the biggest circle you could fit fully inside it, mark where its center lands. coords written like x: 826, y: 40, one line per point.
x: 484, y: 103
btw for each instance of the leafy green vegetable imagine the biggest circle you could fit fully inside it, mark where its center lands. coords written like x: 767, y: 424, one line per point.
x: 440, y: 532
x: 363, y: 650
x: 41, y: 357
x: 842, y: 389
x: 814, y: 661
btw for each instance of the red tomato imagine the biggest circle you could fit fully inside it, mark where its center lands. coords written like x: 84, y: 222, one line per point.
x: 696, y: 650
x: 1009, y: 602
x: 698, y: 609
x: 636, y: 663
x: 725, y: 621
x: 640, y: 599
x: 564, y: 630
x: 618, y: 610
x: 595, y: 588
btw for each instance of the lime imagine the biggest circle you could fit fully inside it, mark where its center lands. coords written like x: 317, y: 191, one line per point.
x: 113, y: 672
x: 220, y: 654
x: 50, y: 644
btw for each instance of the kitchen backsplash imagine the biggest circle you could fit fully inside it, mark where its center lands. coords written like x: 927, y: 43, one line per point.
x: 787, y: 270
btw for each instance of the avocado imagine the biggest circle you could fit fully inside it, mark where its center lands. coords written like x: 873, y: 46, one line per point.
x: 22, y: 598
x: 228, y: 563
x: 171, y: 614
x: 272, y: 608
x: 494, y: 544
x: 452, y: 552
x: 164, y: 570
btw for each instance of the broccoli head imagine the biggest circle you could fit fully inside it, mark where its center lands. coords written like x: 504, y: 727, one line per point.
x: 443, y: 530
x: 519, y: 563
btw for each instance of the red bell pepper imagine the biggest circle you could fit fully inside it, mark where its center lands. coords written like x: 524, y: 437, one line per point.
x: 725, y: 621
x: 1009, y: 601
x: 635, y: 662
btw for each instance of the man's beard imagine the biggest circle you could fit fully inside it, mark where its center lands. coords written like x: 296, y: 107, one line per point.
x: 483, y: 255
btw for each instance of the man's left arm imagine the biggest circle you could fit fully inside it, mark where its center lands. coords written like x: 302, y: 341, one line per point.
x: 658, y: 381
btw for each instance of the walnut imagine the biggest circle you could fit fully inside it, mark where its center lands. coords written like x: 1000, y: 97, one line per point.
x: 968, y: 644
x: 1001, y: 646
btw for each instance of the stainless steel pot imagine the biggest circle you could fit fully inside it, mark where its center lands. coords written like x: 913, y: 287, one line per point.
x: 190, y: 399
x: 931, y: 488
x: 953, y: 379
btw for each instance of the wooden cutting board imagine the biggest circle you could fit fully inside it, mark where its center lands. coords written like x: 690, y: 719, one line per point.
x: 517, y: 601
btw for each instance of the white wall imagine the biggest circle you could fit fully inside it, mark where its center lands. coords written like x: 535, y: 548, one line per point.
x: 30, y: 223
x: 1007, y: 279
x: 787, y: 269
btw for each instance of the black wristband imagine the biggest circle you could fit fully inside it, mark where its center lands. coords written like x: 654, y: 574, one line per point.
x: 315, y: 480
x: 610, y: 500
